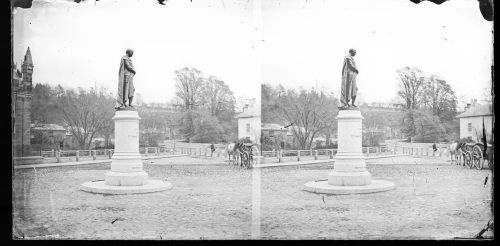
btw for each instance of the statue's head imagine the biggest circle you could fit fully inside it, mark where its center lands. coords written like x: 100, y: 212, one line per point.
x: 352, y: 51
x: 129, y: 52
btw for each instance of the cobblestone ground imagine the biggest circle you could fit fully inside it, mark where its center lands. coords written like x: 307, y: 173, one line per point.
x: 432, y: 200
x: 209, y: 202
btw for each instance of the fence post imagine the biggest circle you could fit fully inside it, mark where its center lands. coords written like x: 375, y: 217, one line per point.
x: 93, y: 154
x: 298, y: 155
x: 110, y: 154
x: 310, y: 152
x: 77, y: 155
x: 156, y: 151
x: 58, y: 156
x: 280, y: 156
x: 315, y: 154
x: 331, y: 153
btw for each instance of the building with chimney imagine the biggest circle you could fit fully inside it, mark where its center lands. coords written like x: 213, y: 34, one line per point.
x: 249, y: 122
x: 472, y: 120
x: 21, y: 87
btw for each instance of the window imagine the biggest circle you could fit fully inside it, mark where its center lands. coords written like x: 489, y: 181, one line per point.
x: 469, y: 127
x: 248, y: 127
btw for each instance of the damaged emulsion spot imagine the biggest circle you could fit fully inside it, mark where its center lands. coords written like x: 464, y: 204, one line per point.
x: 485, y: 6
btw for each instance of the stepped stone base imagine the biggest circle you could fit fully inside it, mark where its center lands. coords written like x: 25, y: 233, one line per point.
x: 325, y: 188
x: 101, y: 188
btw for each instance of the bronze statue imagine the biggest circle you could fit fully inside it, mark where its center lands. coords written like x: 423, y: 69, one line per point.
x: 125, y: 82
x: 349, y: 88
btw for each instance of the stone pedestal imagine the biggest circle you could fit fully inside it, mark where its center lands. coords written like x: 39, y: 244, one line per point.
x: 126, y: 164
x: 350, y: 165
x: 126, y: 175
x: 349, y: 173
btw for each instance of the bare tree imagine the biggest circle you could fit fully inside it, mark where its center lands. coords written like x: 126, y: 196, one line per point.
x: 309, y: 111
x: 411, y: 88
x: 439, y: 98
x: 86, y: 113
x: 189, y: 82
x: 217, y: 97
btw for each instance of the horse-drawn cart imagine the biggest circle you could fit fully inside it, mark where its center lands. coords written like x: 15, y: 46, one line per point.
x: 473, y: 155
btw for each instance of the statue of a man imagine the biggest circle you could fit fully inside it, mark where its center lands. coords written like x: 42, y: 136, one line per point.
x: 125, y: 81
x: 349, y: 88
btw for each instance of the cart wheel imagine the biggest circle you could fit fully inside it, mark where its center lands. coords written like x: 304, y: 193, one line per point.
x: 477, y: 157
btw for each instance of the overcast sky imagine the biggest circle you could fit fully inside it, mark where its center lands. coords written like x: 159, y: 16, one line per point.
x: 305, y: 43
x: 81, y: 44
x: 302, y: 43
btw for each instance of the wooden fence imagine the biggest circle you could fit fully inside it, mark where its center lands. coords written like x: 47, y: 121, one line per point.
x: 79, y: 155
x: 317, y: 153
x: 408, y: 149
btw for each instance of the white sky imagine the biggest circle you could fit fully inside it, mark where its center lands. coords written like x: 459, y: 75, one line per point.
x: 81, y: 44
x: 304, y: 43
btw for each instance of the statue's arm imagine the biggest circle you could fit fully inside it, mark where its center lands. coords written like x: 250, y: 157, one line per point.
x: 352, y: 65
x: 128, y: 66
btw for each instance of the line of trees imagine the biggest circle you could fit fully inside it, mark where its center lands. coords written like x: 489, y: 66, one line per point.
x: 207, y: 106
x: 430, y: 106
x: 85, y: 113
x: 204, y: 111
x: 308, y: 113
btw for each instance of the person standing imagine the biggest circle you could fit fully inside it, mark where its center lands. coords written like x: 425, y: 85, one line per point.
x: 212, y: 147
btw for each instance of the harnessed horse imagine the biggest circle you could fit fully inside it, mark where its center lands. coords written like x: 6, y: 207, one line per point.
x: 242, y: 151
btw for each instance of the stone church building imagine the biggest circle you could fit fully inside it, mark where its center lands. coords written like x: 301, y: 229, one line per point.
x: 21, y: 87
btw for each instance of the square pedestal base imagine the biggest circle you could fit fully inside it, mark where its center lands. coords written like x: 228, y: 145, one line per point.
x: 349, y: 178
x: 126, y: 179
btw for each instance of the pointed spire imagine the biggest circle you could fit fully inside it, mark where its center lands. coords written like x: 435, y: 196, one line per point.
x: 27, y: 57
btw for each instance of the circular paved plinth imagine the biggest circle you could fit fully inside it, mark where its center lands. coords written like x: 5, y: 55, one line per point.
x: 324, y: 187
x: 102, y: 188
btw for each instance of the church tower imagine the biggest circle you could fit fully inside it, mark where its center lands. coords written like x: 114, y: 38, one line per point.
x: 22, y: 88
x: 27, y: 70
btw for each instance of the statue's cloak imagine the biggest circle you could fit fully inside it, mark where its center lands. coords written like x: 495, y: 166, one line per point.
x: 125, y: 81
x: 349, y: 88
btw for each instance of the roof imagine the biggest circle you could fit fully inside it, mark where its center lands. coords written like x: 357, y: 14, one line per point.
x: 48, y: 127
x: 477, y: 110
x: 27, y: 57
x: 251, y: 111
x: 272, y: 126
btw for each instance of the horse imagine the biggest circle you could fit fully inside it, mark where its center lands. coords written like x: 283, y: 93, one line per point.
x: 456, y: 149
x: 231, y: 150
x: 453, y: 151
